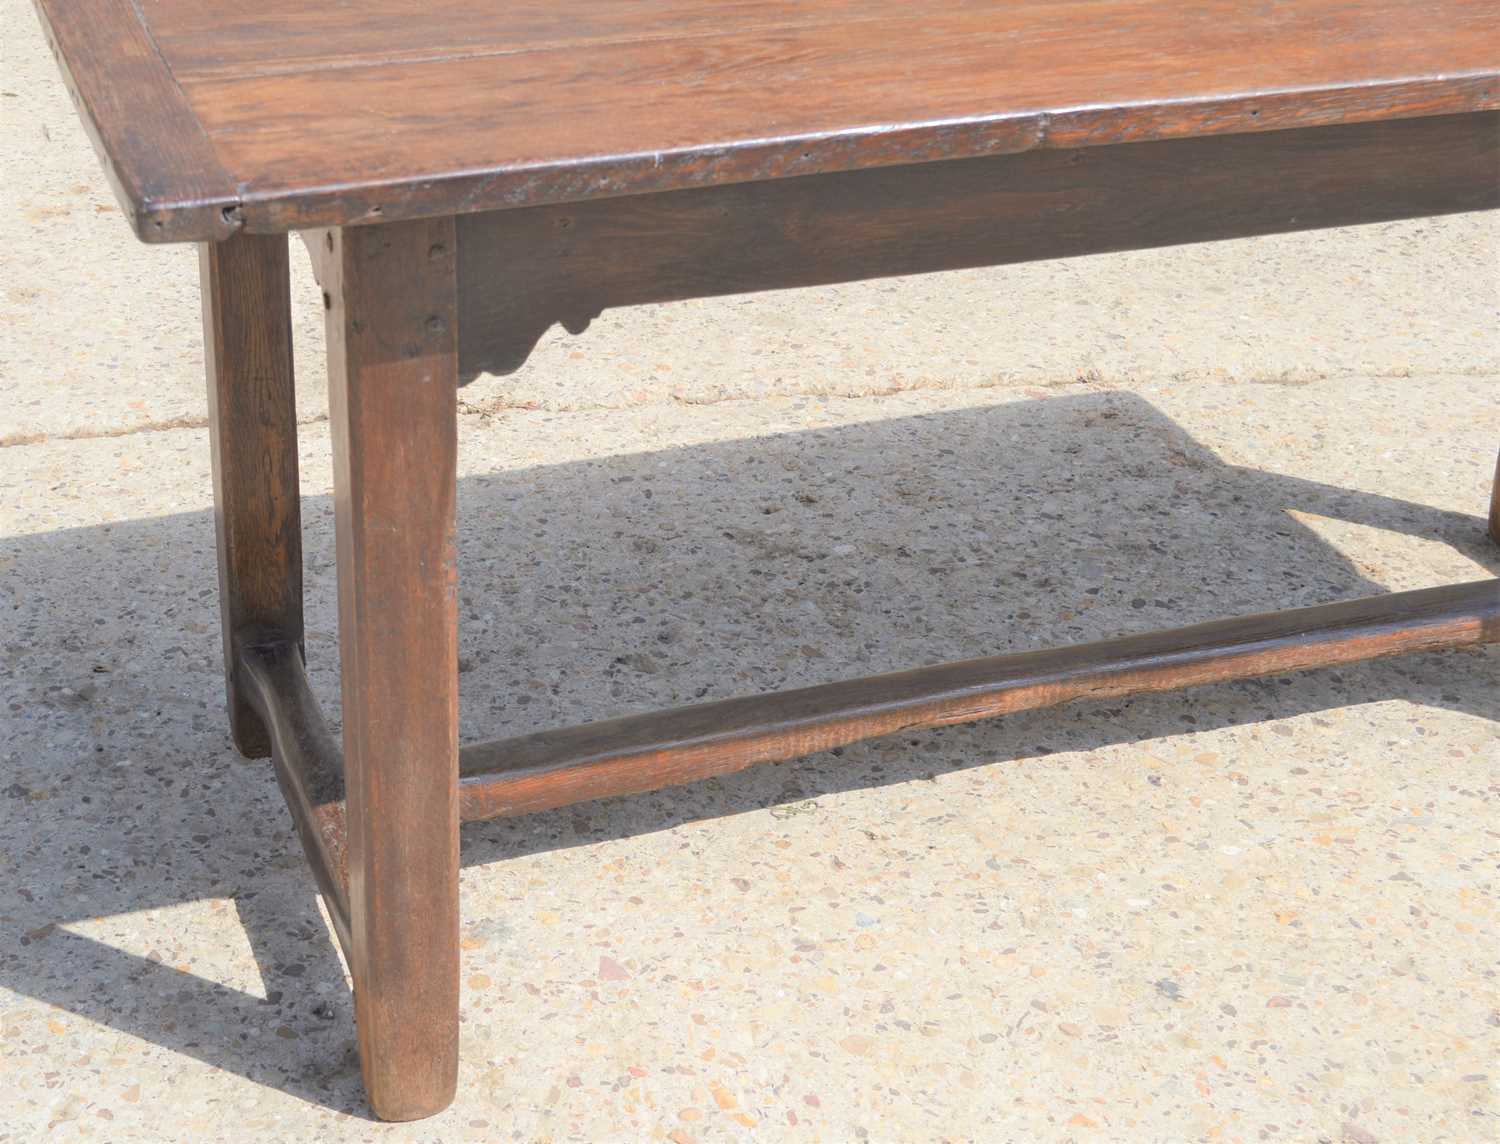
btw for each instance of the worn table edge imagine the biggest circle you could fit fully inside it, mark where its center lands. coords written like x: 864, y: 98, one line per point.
x: 162, y: 204
x: 196, y: 198
x: 507, y: 187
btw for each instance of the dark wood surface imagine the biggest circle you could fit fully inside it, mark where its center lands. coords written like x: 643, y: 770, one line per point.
x: 252, y: 419
x: 646, y: 752
x: 392, y: 381
x: 520, y: 271
x: 286, y: 115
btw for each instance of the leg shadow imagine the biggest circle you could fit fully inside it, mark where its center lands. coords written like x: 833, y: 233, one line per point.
x: 628, y: 583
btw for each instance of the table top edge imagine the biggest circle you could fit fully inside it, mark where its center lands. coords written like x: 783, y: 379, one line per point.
x: 173, y: 187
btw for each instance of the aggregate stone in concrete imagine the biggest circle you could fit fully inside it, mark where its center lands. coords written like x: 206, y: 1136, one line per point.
x: 1379, y: 302
x: 1255, y: 911
x: 1262, y: 911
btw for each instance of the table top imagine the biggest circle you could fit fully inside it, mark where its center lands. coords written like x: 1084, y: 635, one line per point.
x: 283, y: 114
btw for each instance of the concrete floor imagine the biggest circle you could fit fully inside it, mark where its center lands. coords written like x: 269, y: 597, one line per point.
x: 1265, y: 911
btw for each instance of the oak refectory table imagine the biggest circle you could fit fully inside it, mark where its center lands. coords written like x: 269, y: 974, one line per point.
x: 466, y: 173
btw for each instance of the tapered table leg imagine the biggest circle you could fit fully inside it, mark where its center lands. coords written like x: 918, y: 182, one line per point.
x: 247, y: 334
x: 393, y: 372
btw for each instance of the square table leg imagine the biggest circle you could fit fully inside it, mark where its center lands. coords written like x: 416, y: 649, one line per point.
x: 393, y: 395
x: 247, y: 335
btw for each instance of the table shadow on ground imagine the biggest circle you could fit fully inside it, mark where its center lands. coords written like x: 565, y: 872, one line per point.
x: 624, y: 584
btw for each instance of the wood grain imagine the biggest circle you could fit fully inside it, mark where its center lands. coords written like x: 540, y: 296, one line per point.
x: 252, y: 419
x: 520, y: 271
x: 529, y: 128
x: 160, y: 164
x: 322, y: 116
x: 646, y: 752
x: 393, y: 365
x: 278, y: 36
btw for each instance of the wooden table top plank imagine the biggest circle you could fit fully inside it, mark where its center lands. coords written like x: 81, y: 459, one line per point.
x: 325, y: 115
x: 291, y: 35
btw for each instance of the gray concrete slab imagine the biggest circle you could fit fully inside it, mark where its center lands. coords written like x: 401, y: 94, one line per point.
x: 1188, y: 917
x: 1264, y: 911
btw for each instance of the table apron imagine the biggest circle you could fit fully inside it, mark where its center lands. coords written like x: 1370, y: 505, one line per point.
x: 521, y: 271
